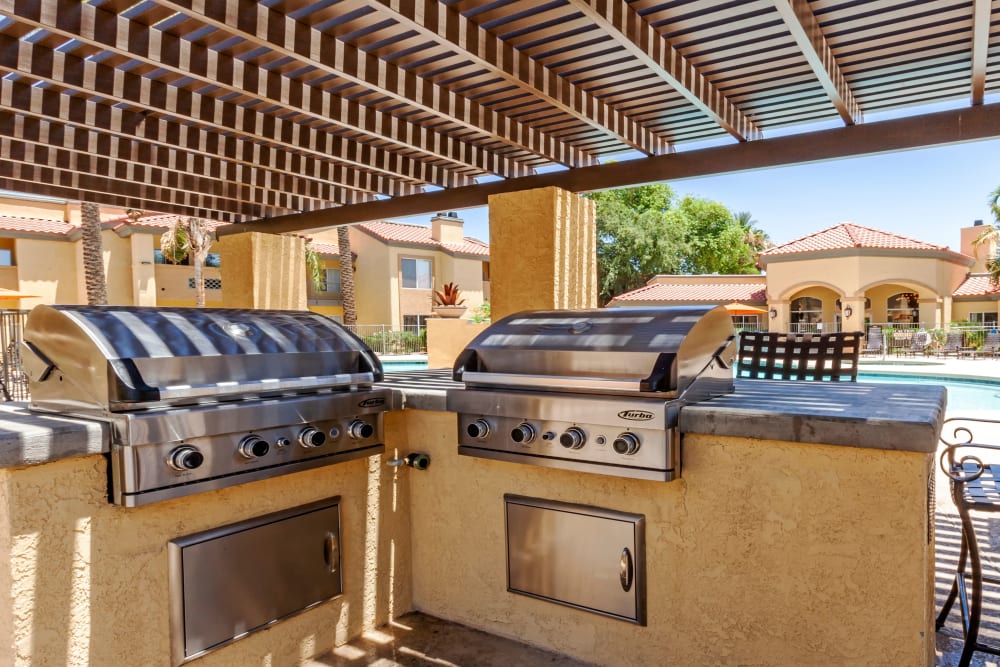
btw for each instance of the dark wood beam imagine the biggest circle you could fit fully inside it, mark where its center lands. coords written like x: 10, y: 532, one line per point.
x: 946, y: 127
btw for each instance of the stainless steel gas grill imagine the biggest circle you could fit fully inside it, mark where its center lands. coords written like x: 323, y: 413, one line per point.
x: 591, y: 390
x: 200, y: 398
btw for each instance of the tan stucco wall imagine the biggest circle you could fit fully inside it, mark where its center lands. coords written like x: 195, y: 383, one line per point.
x: 50, y: 270
x: 765, y: 553
x: 374, y: 281
x: 263, y: 271
x: 543, y: 251
x: 117, y: 253
x: 447, y: 338
x: 850, y: 276
x: 90, y: 584
x: 960, y: 309
x: 173, y: 289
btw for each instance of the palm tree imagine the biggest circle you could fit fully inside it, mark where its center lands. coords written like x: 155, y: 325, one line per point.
x: 990, y: 237
x: 93, y: 255
x: 188, y: 238
x: 753, y: 236
x: 347, y: 275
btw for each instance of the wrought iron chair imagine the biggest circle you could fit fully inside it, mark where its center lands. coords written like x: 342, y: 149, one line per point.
x: 799, y: 356
x: 873, y: 341
x: 952, y: 345
x: 991, y: 345
x: 975, y: 487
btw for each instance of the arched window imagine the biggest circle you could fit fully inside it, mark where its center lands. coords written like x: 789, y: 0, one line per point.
x: 903, y: 308
x: 807, y: 313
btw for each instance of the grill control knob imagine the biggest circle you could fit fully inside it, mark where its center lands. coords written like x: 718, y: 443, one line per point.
x: 359, y: 430
x: 626, y: 443
x: 478, y: 429
x: 185, y: 458
x: 282, y: 442
x: 310, y: 437
x: 253, y: 447
x: 573, y: 438
x: 524, y: 433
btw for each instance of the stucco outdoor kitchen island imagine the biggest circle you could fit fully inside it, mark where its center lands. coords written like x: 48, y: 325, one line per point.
x: 799, y: 533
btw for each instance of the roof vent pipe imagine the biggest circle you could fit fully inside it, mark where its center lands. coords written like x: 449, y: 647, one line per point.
x: 977, y: 223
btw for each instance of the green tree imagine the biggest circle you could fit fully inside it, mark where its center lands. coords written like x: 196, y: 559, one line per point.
x: 638, y: 235
x: 185, y: 238
x: 755, y: 237
x: 645, y: 231
x: 990, y: 237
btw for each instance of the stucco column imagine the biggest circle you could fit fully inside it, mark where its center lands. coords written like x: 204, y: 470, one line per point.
x: 263, y: 271
x: 543, y: 251
x: 856, y: 320
x: 930, y: 312
x: 778, y: 315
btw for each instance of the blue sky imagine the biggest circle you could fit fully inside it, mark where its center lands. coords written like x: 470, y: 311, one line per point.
x: 926, y: 194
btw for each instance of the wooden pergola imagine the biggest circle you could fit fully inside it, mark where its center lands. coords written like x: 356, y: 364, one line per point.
x: 287, y: 115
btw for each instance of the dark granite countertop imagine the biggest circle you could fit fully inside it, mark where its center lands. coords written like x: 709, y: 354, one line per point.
x: 905, y: 417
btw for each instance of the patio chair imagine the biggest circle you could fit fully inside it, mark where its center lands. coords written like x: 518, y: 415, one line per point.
x: 952, y: 345
x: 799, y: 356
x: 873, y: 341
x: 991, y: 346
x: 975, y: 487
x: 918, y: 345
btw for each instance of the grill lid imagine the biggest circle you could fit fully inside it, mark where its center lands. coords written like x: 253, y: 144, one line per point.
x: 610, y: 350
x: 122, y: 357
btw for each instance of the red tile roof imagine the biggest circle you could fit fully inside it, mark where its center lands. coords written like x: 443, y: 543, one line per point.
x: 698, y: 292
x: 324, y: 247
x: 849, y: 235
x: 976, y: 285
x: 397, y: 232
x: 12, y: 223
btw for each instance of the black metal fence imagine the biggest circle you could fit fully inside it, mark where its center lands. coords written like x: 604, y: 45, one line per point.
x: 13, y: 382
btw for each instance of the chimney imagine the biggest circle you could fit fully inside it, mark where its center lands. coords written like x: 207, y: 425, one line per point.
x: 981, y: 253
x: 447, y: 228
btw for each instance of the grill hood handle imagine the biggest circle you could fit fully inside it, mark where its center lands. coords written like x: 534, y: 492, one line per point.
x: 37, y: 364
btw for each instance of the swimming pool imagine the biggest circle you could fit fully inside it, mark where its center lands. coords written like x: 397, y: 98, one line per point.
x: 962, y: 394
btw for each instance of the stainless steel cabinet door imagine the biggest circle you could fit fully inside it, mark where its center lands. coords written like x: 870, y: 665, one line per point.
x: 585, y: 557
x: 230, y: 581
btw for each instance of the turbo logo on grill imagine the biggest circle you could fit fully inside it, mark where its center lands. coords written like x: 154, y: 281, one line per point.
x: 636, y: 415
x: 371, y: 402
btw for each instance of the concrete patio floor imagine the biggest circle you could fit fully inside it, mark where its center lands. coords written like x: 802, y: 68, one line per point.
x: 418, y: 639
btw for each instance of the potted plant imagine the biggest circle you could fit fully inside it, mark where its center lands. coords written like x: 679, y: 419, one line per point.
x: 447, y: 302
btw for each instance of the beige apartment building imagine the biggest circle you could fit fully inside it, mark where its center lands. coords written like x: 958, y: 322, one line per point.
x: 400, y: 265
x: 397, y: 265
x: 844, y: 278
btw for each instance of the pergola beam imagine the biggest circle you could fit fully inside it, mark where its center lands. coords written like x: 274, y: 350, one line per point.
x: 44, y: 132
x: 76, y: 111
x: 156, y: 98
x: 433, y: 19
x: 96, y: 28
x: 631, y: 32
x: 294, y: 39
x: 946, y: 127
x: 806, y: 31
x: 980, y: 48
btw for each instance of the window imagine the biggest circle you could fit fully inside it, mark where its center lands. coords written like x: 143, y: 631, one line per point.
x: 6, y: 257
x: 331, y: 281
x: 903, y: 308
x: 414, y: 323
x: 416, y: 273
x: 986, y: 319
x: 213, y: 260
x: 746, y: 322
x: 807, y: 314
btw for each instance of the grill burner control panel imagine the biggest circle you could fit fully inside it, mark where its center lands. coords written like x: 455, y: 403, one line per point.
x: 210, y: 447
x: 618, y: 436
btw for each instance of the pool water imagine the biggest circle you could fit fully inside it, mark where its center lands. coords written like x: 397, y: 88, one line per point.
x: 962, y: 394
x: 397, y: 366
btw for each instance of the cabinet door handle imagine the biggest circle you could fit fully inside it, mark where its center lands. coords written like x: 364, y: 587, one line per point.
x: 331, y: 552
x: 626, y: 571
